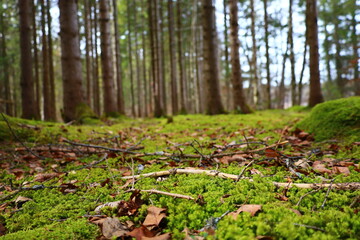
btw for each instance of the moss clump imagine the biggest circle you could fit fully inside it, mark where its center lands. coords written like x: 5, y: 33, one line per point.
x: 17, y: 125
x: 84, y: 113
x: 334, y: 119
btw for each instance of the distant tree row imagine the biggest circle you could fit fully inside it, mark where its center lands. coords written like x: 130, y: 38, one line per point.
x: 145, y: 58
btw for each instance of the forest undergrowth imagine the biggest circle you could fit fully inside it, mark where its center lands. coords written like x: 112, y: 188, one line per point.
x: 255, y: 176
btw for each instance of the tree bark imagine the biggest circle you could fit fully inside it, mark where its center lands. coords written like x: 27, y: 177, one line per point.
x: 51, y: 64
x: 268, y: 77
x: 312, y: 34
x: 292, y: 56
x: 254, y: 82
x: 110, y: 106
x: 140, y: 104
x: 96, y: 85
x: 226, y: 53
x: 147, y: 103
x: 182, y: 78
x: 211, y: 61
x: 73, y: 93
x: 36, y: 64
x: 27, y: 83
x: 131, y: 73
x: 355, y: 48
x: 119, y: 78
x: 87, y: 11
x: 172, y: 52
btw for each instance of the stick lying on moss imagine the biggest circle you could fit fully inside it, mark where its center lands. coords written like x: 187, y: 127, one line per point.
x: 338, y: 186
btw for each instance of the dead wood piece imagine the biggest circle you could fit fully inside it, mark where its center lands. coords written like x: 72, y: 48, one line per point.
x: 175, y: 195
x: 337, y: 186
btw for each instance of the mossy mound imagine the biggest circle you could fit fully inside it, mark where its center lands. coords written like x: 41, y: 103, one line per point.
x: 20, y: 128
x: 334, y: 119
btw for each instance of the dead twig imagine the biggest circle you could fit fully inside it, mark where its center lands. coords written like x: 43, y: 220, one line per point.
x: 175, y: 195
x: 243, y: 170
x: 94, y: 163
x: 327, y: 194
x: 303, y: 196
x: 337, y: 186
x: 308, y: 226
x: 18, y: 139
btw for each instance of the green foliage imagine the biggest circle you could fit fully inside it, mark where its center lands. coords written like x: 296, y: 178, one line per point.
x: 334, y: 119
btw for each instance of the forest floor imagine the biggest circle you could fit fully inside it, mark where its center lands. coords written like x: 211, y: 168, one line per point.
x: 230, y: 176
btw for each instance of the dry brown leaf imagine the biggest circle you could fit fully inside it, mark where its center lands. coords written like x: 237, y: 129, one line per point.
x: 264, y: 238
x: 297, y: 212
x: 320, y: 167
x: 341, y: 170
x: 164, y: 236
x: 154, y: 216
x: 112, y: 227
x: 250, y: 208
x: 42, y: 177
x: 141, y: 232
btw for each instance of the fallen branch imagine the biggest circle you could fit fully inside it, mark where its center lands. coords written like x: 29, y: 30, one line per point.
x: 175, y: 195
x: 337, y: 186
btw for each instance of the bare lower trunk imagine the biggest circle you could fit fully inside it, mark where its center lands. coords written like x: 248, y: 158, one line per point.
x: 211, y: 60
x: 172, y: 51
x: 312, y: 34
x: 110, y: 106
x: 73, y: 94
x: 240, y: 104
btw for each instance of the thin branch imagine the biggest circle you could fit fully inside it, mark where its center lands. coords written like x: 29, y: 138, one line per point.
x: 308, y: 226
x: 18, y: 139
x: 327, y: 194
x: 338, y: 186
x: 175, y: 195
x: 303, y: 196
x: 243, y: 170
x: 93, y: 164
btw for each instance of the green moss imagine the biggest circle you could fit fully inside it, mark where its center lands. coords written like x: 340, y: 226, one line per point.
x: 334, y: 119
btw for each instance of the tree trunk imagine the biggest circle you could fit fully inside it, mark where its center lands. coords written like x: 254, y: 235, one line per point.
x: 183, y: 107
x: 144, y: 71
x: 110, y: 106
x: 131, y: 73
x: 312, y: 28
x: 355, y: 47
x: 254, y: 83
x: 36, y: 65
x: 51, y: 64
x: 292, y: 56
x: 300, y: 85
x: 119, y: 78
x: 211, y: 61
x: 340, y: 81
x: 87, y: 10
x: 161, y: 26
x: 73, y: 95
x: 27, y: 82
x: 282, y: 88
x: 96, y: 84
x: 240, y: 104
x: 172, y: 51
x: 268, y: 77
x: 226, y: 53
x: 45, y: 66
x: 140, y: 104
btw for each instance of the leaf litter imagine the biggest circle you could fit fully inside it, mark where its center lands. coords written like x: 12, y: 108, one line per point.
x: 295, y: 151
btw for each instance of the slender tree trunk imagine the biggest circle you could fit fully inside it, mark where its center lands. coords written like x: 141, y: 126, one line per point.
x: 144, y: 70
x: 254, y: 85
x: 292, y: 56
x: 282, y: 89
x: 300, y: 85
x: 211, y: 60
x: 327, y: 46
x: 27, y: 82
x: 5, y: 89
x: 87, y: 53
x: 73, y: 95
x: 268, y: 77
x: 226, y: 51
x: 119, y: 78
x: 110, y: 106
x: 36, y: 65
x: 96, y: 85
x: 198, y: 63
x: 51, y: 64
x: 131, y: 73
x: 240, y: 104
x: 338, y: 59
x: 140, y: 104
x: 162, y: 63
x: 311, y: 24
x: 45, y: 64
x: 355, y: 47
x: 183, y: 107
x: 172, y: 51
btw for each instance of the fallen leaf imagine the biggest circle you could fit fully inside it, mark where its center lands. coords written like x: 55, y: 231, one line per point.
x: 2, y: 229
x: 341, y: 170
x: 164, y: 236
x: 109, y: 204
x: 271, y: 153
x: 42, y: 177
x: 154, y: 216
x: 141, y: 232
x: 112, y: 227
x: 297, y: 212
x: 264, y: 237
x: 250, y: 208
x: 320, y: 167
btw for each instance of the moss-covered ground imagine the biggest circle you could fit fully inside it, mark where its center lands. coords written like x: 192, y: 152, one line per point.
x: 54, y: 196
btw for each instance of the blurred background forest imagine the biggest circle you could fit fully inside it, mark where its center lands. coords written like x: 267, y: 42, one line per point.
x: 145, y: 58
